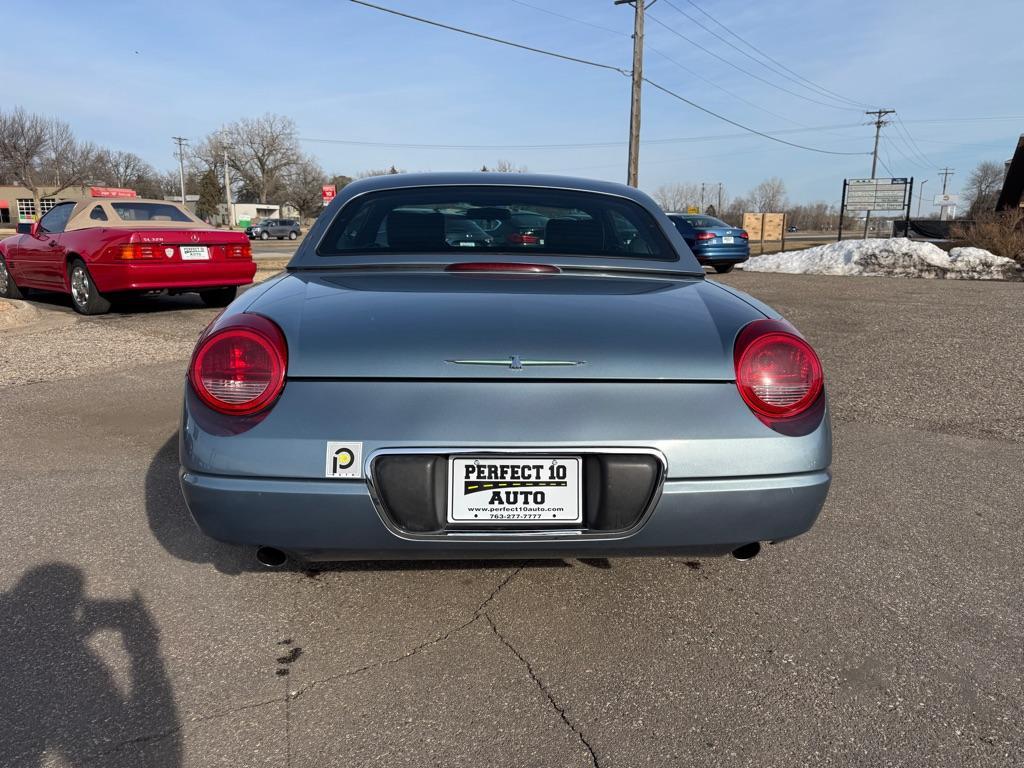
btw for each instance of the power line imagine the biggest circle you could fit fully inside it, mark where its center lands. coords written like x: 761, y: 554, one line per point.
x: 815, y: 89
x: 603, y: 66
x: 772, y: 59
x: 576, y: 145
x: 662, y: 54
x: 482, y: 36
x: 747, y: 72
x: 694, y: 104
x: 571, y: 18
x: 917, y: 149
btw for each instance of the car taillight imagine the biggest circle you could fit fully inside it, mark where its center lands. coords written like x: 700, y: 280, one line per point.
x: 705, y: 235
x: 744, y: 235
x: 239, y: 368
x: 131, y: 252
x: 517, y: 238
x: 778, y: 374
x: 238, y: 250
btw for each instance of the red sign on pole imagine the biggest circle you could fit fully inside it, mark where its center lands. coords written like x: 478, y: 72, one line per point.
x: 327, y: 192
x: 111, y: 192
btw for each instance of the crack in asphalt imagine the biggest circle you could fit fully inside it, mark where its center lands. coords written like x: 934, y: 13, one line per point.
x: 288, y: 697
x: 147, y: 738
x: 544, y: 689
x: 414, y: 650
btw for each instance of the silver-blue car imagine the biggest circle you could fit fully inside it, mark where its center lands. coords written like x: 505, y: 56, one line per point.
x: 582, y: 392
x: 714, y: 242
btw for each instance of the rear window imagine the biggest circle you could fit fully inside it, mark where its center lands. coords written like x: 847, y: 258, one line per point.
x: 501, y: 219
x: 704, y: 222
x: 128, y: 211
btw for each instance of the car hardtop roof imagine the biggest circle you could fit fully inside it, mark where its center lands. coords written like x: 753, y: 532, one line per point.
x: 492, y: 179
x: 79, y: 218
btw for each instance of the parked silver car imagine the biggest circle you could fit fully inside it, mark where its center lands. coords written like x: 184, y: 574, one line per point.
x: 589, y: 393
x: 279, y: 228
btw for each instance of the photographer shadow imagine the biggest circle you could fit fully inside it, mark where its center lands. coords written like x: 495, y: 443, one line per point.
x: 61, y: 699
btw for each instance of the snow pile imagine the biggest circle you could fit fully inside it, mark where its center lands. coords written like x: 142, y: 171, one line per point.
x: 896, y: 257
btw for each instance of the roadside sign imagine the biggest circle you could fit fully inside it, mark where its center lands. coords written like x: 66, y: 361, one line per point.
x: 947, y: 199
x: 693, y: 209
x: 328, y: 192
x: 111, y: 192
x: 876, y: 194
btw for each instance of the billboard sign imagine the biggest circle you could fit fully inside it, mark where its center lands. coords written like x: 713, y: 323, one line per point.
x: 876, y: 194
x: 328, y: 192
x: 947, y: 199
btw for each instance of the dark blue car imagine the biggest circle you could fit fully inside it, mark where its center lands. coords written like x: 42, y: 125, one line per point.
x: 712, y: 241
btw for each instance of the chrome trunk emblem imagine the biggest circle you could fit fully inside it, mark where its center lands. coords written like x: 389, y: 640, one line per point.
x: 516, y: 363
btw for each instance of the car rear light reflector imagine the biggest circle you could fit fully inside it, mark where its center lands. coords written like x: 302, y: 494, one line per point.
x: 705, y: 235
x: 240, y: 367
x: 502, y: 266
x: 778, y: 374
x: 518, y: 238
x: 744, y: 235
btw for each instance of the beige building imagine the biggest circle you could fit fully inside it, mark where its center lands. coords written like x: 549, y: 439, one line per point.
x: 17, y: 204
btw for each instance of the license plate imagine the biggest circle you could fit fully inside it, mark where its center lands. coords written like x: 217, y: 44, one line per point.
x: 515, y: 490
x: 727, y: 240
x: 194, y: 253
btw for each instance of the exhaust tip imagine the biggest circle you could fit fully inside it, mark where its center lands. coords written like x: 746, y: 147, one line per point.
x: 271, y: 557
x: 747, y: 551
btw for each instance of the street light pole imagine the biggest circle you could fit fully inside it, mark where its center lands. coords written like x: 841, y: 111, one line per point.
x: 632, y: 171
x: 920, y: 194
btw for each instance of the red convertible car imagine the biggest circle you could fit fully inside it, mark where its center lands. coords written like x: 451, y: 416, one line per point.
x: 98, y: 249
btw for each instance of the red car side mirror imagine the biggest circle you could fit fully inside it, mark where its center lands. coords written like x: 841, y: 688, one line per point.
x: 34, y: 229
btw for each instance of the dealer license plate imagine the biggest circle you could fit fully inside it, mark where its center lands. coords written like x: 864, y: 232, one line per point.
x: 194, y: 253
x: 515, y: 490
x: 727, y: 239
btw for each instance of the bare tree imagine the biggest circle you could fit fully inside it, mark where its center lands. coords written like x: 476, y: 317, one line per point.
x: 677, y: 197
x: 379, y: 172
x: 302, y: 187
x: 126, y: 169
x: 505, y: 166
x: 981, y: 192
x: 769, y: 196
x: 43, y: 155
x: 260, y: 151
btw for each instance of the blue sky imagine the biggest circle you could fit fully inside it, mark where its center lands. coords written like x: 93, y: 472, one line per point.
x: 131, y: 75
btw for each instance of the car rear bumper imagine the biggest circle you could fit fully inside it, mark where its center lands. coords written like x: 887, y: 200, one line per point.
x: 115, y: 278
x: 722, y: 254
x: 726, y: 478
x: 332, y: 520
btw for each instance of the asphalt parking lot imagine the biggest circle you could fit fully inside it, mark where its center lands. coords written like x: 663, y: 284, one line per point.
x: 890, y: 635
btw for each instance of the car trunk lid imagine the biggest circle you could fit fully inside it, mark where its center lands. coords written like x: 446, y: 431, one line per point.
x: 434, y: 325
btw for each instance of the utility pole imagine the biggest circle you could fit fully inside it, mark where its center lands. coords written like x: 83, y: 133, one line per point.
x: 181, y: 142
x: 718, y: 210
x: 920, y: 194
x: 944, y: 212
x: 227, y: 192
x: 632, y: 172
x: 701, y: 197
x: 945, y: 173
x: 879, y: 122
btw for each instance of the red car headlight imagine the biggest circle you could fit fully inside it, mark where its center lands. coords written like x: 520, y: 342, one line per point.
x: 778, y: 374
x: 239, y: 369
